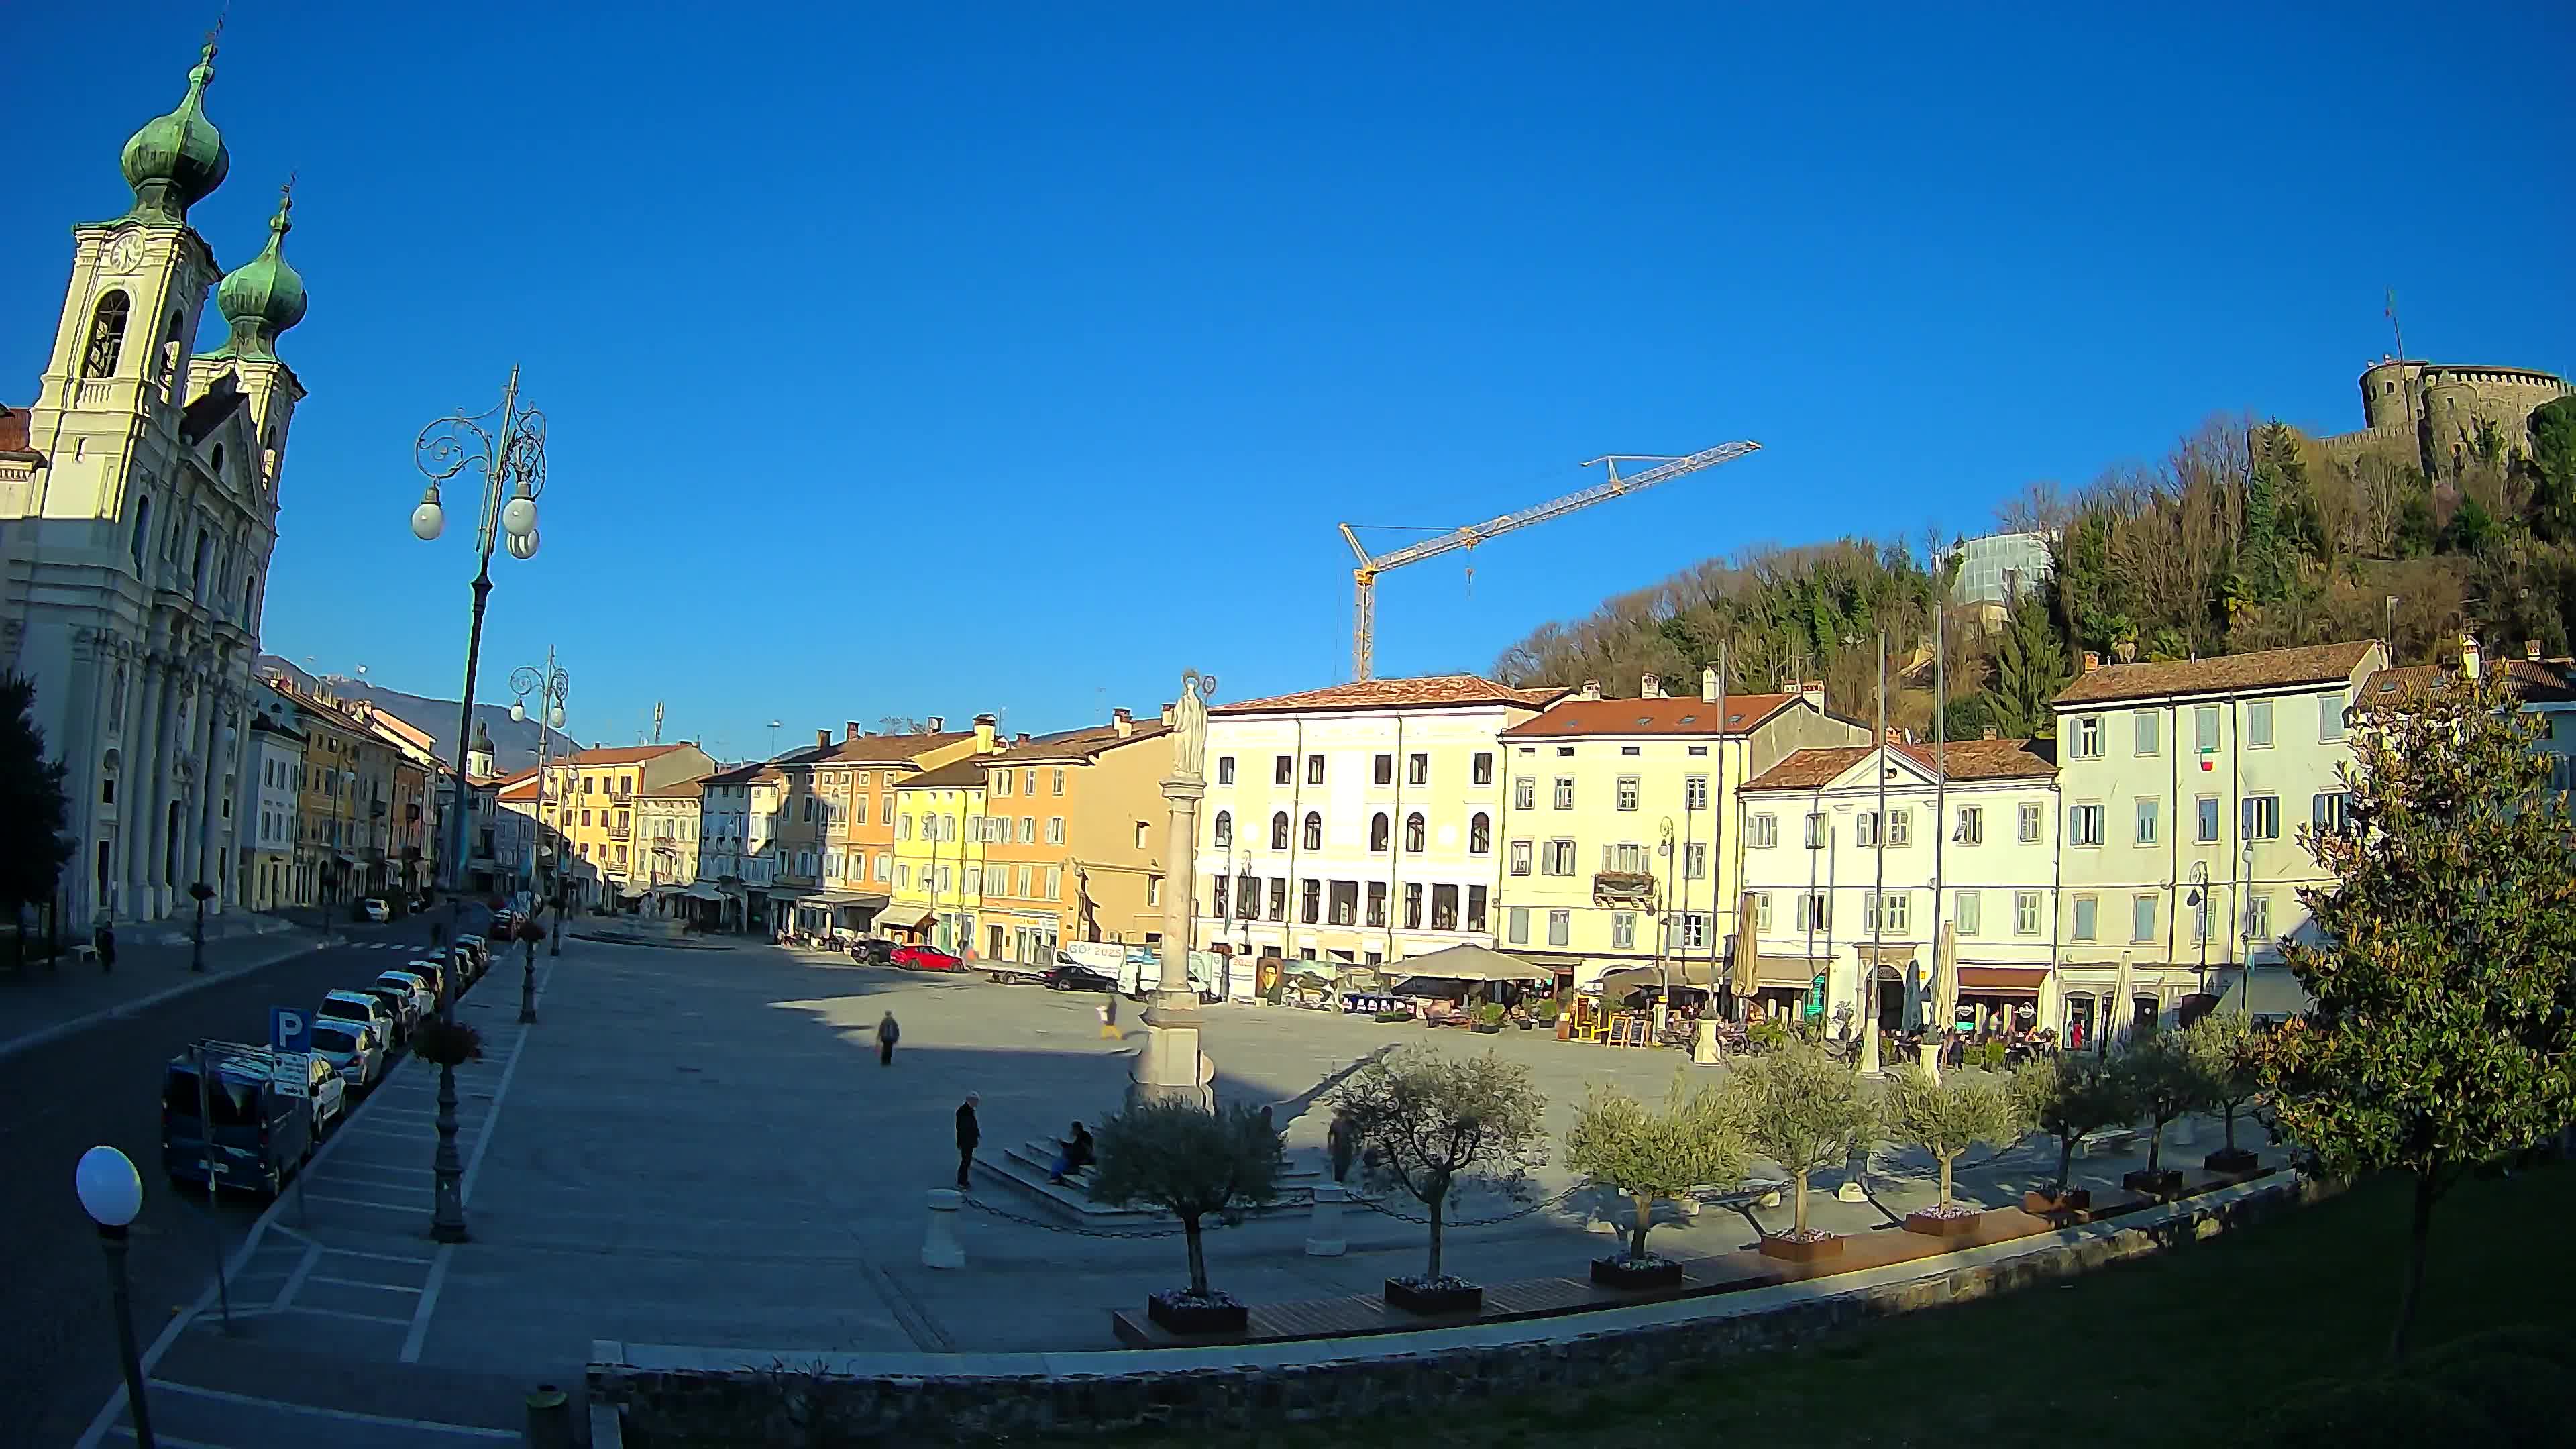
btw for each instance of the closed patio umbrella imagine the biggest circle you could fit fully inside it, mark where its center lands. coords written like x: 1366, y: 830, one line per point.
x: 1945, y: 978
x: 2115, y: 1017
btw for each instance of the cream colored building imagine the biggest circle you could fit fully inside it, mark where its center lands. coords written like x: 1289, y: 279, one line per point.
x: 1968, y: 838
x: 666, y: 841
x: 1357, y: 823
x: 2183, y: 788
x: 1617, y: 830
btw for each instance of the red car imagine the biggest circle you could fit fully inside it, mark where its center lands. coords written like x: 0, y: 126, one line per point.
x: 925, y: 958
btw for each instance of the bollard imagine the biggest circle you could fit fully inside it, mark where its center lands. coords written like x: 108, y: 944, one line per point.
x: 1704, y: 1044
x: 1324, y: 1230
x: 939, y: 1247
x: 549, y: 1418
x: 2183, y: 1134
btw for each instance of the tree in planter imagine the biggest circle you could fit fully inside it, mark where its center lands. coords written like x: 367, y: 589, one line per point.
x: 33, y: 810
x: 1803, y: 1110
x: 1435, y: 1123
x: 1191, y: 1162
x: 2443, y: 1036
x: 2070, y: 1098
x: 2221, y: 1048
x: 2164, y: 1082
x: 1656, y: 1156
x: 1946, y: 1116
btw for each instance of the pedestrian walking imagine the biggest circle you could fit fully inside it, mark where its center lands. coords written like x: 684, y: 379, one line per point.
x: 969, y: 1133
x: 104, y: 941
x: 1342, y: 1141
x: 887, y: 1035
x: 1109, y: 1018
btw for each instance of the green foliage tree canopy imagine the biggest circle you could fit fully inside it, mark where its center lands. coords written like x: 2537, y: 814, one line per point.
x: 33, y: 810
x: 1803, y: 1110
x: 2070, y: 1098
x: 1434, y: 1122
x: 1947, y: 1115
x: 1189, y: 1161
x: 1656, y: 1155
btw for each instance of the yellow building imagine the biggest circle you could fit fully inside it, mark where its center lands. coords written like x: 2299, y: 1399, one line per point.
x: 1074, y: 841
x: 1616, y: 823
x: 939, y: 836
x: 590, y: 800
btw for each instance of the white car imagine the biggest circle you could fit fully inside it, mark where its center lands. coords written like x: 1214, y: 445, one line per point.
x: 424, y: 1001
x: 374, y: 909
x: 359, y: 1006
x: 323, y: 1084
x: 353, y: 1050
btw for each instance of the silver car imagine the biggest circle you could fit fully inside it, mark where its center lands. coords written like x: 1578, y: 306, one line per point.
x: 353, y: 1050
x: 424, y: 998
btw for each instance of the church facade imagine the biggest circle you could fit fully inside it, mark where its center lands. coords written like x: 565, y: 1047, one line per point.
x: 138, y: 514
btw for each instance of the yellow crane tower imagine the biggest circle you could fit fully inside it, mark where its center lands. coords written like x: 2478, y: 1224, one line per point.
x: 1364, y: 578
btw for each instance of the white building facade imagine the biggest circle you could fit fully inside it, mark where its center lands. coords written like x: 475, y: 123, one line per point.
x: 1838, y: 891
x: 266, y: 812
x: 138, y: 512
x: 1358, y: 823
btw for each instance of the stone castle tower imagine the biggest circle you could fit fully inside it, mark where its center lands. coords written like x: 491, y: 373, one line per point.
x: 2436, y: 410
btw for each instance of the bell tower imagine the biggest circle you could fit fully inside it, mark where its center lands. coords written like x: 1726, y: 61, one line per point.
x: 259, y: 302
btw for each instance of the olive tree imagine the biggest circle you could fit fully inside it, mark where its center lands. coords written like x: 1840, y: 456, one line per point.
x: 1803, y: 1110
x: 1656, y: 1155
x: 2221, y: 1048
x: 1191, y: 1162
x: 2070, y: 1098
x: 1433, y: 1123
x: 2163, y: 1081
x: 2444, y: 1030
x: 1945, y: 1116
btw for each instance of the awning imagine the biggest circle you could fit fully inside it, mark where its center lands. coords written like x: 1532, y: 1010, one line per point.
x: 846, y: 898
x: 2274, y: 992
x: 1470, y: 963
x: 788, y: 893
x: 903, y: 918
x: 1784, y: 973
x: 1672, y: 973
x: 633, y: 892
x: 703, y: 892
x: 2001, y: 980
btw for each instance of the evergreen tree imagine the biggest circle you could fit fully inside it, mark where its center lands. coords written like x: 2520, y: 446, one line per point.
x: 33, y: 810
x: 2030, y: 668
x: 2553, y: 458
x: 2259, y: 555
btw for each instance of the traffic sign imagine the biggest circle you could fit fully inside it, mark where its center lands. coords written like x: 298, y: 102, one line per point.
x: 294, y: 1074
x: 290, y: 1029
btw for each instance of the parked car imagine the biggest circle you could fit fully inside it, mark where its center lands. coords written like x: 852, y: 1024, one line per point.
x: 872, y: 952
x: 431, y: 970
x: 925, y: 958
x: 402, y: 1003
x: 355, y: 1051
x: 374, y: 909
x: 1074, y: 976
x: 424, y: 997
x: 365, y: 1009
x: 260, y: 1131
x: 324, y: 1088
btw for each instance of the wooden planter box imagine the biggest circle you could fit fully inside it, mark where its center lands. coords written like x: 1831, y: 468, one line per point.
x: 1196, y: 1318
x: 2231, y: 1159
x: 2048, y: 1204
x: 1486, y: 1028
x: 1400, y: 1294
x: 1801, y: 1250
x: 2154, y: 1184
x: 1621, y: 1273
x: 1941, y: 1225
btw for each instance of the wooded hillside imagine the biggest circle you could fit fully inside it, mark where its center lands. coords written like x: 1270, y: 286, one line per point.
x: 2247, y: 536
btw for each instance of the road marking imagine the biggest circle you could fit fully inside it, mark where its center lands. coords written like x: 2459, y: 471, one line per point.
x: 349, y: 1416
x: 363, y: 1283
x: 421, y: 1311
x: 483, y: 1139
x: 358, y: 1317
x: 123, y: 1432
x: 295, y: 1280
x: 379, y: 1257
x: 411, y: 1207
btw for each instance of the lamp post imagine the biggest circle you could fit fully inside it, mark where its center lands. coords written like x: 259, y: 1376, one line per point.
x: 349, y: 829
x: 202, y: 893
x: 111, y: 1192
x: 508, y: 447
x: 551, y: 686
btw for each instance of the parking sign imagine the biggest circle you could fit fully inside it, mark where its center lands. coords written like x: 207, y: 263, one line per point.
x: 290, y: 1029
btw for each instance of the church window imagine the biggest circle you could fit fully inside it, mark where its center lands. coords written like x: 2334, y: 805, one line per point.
x: 106, y: 335
x: 197, y: 574
x: 142, y: 527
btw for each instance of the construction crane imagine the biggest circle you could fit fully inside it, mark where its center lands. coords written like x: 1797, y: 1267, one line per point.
x: 1364, y: 578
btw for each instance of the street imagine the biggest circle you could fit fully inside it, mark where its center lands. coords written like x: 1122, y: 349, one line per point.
x: 102, y: 1085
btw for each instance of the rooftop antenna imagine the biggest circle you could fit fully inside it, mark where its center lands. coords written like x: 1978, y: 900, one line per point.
x: 657, y: 721
x: 773, y: 739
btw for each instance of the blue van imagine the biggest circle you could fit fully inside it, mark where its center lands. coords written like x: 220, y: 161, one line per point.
x: 263, y: 1126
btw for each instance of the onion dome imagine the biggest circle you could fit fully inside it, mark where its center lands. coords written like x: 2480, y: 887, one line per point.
x: 262, y: 297
x: 177, y: 159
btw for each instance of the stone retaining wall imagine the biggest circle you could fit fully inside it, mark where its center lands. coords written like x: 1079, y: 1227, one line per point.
x: 700, y: 1398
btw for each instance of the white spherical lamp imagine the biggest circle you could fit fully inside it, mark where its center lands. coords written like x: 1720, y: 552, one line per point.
x: 523, y: 545
x: 111, y: 1191
x: 519, y: 516
x: 429, y: 520
x: 518, y: 711
x: 555, y: 718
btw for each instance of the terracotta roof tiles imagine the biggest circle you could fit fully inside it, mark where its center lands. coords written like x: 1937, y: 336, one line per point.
x: 2225, y: 674
x: 619, y: 754
x: 1968, y: 760
x: 1430, y: 691
x: 1688, y: 715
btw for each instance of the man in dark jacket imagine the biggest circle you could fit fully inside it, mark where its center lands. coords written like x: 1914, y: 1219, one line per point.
x: 887, y: 1035
x: 969, y: 1133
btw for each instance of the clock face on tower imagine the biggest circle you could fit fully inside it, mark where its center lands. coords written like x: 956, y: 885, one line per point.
x: 125, y: 253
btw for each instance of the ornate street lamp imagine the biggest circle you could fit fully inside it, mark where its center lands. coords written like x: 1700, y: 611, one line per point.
x: 507, y: 446
x: 111, y: 1192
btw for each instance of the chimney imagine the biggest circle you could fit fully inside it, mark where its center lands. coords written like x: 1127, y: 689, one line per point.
x: 1813, y: 692
x: 1167, y: 714
x: 822, y: 739
x: 936, y: 724
x: 1123, y: 720
x: 1592, y: 689
x: 850, y: 729
x: 1708, y: 686
x: 1021, y: 738
x: 2469, y: 661
x: 2531, y: 650
x: 984, y: 734
x: 2092, y: 661
x: 1650, y: 687
x: 1895, y: 735
x: 1990, y: 734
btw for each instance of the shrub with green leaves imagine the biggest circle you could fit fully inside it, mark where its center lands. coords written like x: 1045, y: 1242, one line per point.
x: 2385, y: 1413
x: 1803, y: 1110
x: 1189, y: 1161
x: 1434, y: 1123
x: 1656, y: 1154
x: 2070, y: 1098
x: 1946, y: 1116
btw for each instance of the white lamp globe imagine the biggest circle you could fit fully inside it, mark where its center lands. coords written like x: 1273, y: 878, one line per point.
x: 556, y: 717
x: 429, y: 520
x: 519, y: 516
x: 111, y: 1192
x: 523, y: 545
x: 518, y: 711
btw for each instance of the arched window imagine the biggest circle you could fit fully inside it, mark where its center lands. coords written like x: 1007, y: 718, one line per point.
x: 1378, y: 831
x: 1413, y: 833
x: 218, y: 469
x: 1279, y: 831
x: 197, y: 571
x: 106, y: 335
x: 142, y: 528
x: 1224, y: 829
x: 1480, y: 833
x: 1314, y: 831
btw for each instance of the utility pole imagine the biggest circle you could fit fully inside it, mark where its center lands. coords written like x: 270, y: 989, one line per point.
x: 1940, y: 787
x: 1878, y: 898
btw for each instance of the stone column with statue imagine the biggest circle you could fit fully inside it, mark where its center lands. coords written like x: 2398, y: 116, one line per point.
x: 1172, y: 1065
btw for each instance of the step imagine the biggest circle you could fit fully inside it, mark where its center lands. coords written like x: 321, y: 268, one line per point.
x: 1025, y: 1167
x: 1039, y: 1153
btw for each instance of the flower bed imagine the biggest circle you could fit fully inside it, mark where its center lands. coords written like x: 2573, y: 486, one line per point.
x: 1444, y: 1294
x: 1802, y: 1247
x: 1183, y: 1311
x: 1621, y: 1271
x: 1946, y: 1220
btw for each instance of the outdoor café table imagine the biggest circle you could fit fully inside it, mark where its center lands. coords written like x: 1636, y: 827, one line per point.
x: 1360, y: 1003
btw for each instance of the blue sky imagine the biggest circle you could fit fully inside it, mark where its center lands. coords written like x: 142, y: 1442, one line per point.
x: 944, y: 359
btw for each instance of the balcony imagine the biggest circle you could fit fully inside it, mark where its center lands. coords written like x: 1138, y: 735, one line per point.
x: 1624, y: 888
x: 618, y: 832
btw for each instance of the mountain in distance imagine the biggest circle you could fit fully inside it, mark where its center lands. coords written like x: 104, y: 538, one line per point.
x: 514, y: 743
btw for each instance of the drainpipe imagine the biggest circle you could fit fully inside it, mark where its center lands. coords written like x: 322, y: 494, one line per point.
x: 1395, y: 843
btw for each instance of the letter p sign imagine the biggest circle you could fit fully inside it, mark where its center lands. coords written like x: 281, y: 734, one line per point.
x: 289, y: 1029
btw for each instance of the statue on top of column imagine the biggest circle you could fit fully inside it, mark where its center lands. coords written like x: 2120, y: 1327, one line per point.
x: 1190, y: 725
